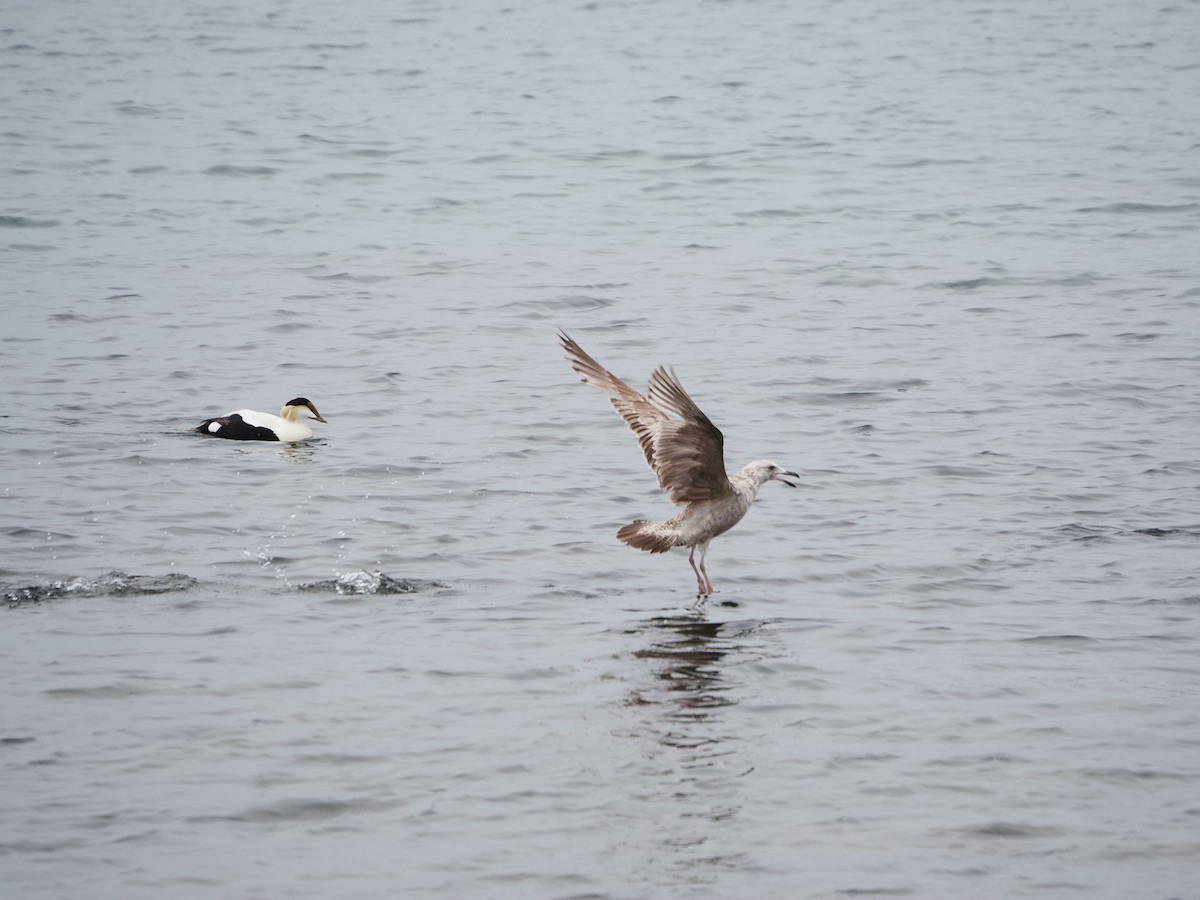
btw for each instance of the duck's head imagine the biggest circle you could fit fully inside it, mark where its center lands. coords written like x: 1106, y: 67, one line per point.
x: 300, y: 408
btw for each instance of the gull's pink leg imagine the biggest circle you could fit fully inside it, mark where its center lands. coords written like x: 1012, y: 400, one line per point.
x: 699, y: 577
x: 708, y: 585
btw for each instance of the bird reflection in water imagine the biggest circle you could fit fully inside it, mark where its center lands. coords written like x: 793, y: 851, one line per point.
x: 695, y: 765
x: 301, y: 454
x: 690, y: 650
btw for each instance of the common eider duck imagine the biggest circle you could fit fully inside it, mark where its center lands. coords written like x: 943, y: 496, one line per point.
x: 249, y: 425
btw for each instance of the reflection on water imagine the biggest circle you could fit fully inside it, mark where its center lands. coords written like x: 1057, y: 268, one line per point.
x: 696, y: 757
x: 689, y: 650
x: 302, y: 453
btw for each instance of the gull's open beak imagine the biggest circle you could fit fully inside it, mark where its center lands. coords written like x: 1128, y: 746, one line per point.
x: 778, y: 476
x: 317, y: 415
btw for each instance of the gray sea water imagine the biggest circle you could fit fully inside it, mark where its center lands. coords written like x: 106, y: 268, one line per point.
x: 942, y: 258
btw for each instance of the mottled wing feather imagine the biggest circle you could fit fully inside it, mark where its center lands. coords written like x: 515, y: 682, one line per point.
x: 690, y: 452
x: 643, y: 418
x: 687, y: 454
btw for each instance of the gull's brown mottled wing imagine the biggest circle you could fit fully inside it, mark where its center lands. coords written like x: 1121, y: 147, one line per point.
x: 686, y: 453
x: 690, y: 453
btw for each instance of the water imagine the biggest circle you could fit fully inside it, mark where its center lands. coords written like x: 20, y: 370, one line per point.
x: 940, y: 258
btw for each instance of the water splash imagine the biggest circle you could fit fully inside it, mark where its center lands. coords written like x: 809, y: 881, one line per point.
x: 111, y: 584
x: 361, y: 582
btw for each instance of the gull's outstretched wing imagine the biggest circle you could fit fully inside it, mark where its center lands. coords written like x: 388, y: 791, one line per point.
x: 687, y: 453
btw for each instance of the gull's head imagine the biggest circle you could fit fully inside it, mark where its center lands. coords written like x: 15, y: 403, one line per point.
x: 763, y: 470
x: 300, y: 408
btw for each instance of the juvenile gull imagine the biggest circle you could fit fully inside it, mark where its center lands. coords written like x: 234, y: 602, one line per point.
x: 687, y: 455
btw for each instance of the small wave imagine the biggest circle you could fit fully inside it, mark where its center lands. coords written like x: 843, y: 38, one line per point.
x: 777, y: 213
x: 969, y: 472
x: 922, y: 162
x: 228, y: 171
x: 362, y: 582
x: 1077, y: 531
x: 26, y: 222
x: 347, y: 176
x: 1193, y: 531
x: 350, y: 279
x: 73, y: 317
x: 300, y: 810
x: 568, y: 302
x: 1013, y: 830
x: 970, y: 284
x: 112, y: 584
x: 115, y: 691
x: 319, y: 46
x: 135, y: 109
x: 840, y: 398
x: 1081, y: 279
x: 1134, y: 208
x: 1122, y: 775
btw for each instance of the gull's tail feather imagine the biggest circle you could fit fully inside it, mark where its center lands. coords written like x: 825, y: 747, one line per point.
x: 655, y: 537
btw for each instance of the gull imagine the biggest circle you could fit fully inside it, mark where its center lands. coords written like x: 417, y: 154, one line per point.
x: 251, y: 425
x: 686, y: 451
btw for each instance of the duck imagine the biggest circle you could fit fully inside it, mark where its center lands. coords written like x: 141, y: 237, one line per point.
x: 250, y: 425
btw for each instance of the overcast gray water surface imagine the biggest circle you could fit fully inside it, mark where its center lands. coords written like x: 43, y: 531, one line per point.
x: 939, y: 257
